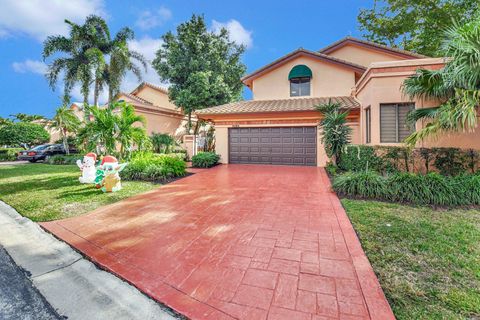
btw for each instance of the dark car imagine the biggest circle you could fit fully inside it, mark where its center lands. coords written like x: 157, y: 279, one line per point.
x: 41, y: 152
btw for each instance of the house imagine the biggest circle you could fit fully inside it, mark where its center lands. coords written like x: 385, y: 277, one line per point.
x: 280, y: 124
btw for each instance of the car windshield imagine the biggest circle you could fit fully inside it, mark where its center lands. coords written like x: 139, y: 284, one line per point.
x: 42, y: 147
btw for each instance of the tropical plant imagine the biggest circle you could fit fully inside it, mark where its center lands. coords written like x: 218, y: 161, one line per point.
x: 65, y: 121
x: 23, y: 117
x: 162, y: 142
x: 335, y: 132
x: 23, y: 134
x: 456, y: 85
x: 5, y: 121
x: 153, y: 167
x: 112, y: 125
x: 81, y: 56
x: 129, y: 127
x: 202, y: 67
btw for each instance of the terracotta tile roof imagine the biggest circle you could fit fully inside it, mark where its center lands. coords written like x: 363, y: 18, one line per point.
x: 300, y: 51
x: 282, y: 105
x: 340, y: 42
x: 151, y: 85
x: 138, y: 99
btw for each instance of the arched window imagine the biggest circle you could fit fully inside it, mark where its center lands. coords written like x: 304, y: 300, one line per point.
x: 299, y: 78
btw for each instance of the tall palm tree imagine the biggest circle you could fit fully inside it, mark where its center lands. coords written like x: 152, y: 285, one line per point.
x: 122, y: 60
x: 129, y: 127
x: 65, y: 121
x: 456, y: 85
x: 79, y: 52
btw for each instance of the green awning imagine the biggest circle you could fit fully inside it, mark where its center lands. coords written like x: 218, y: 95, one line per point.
x: 300, y: 71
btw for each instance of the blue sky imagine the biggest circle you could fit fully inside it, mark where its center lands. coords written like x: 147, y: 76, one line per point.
x: 270, y: 29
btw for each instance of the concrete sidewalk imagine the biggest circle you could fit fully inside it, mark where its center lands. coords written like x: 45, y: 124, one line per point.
x: 72, y: 285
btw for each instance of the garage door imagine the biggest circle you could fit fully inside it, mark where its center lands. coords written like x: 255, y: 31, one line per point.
x: 276, y: 145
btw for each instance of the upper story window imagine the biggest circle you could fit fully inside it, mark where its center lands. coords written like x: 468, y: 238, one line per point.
x: 299, y: 78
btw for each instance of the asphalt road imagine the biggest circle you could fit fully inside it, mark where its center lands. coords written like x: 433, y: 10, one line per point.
x: 19, y: 299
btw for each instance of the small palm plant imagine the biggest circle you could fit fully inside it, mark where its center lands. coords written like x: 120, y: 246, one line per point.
x: 129, y: 127
x: 65, y: 121
x: 335, y: 131
x: 456, y: 86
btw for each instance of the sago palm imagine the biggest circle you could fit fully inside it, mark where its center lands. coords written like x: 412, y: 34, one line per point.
x: 65, y: 121
x: 456, y: 86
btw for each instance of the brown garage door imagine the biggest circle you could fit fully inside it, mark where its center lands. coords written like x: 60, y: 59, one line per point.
x: 276, y: 145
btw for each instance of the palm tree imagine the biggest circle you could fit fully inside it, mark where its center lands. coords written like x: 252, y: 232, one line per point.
x: 335, y: 131
x: 122, y: 60
x: 65, y: 121
x: 456, y: 85
x: 80, y: 52
x: 127, y: 130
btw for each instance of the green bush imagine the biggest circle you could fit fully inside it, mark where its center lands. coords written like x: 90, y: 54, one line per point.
x: 450, y: 161
x: 429, y: 189
x: 366, y: 184
x: 9, y: 154
x: 360, y: 158
x: 205, y: 159
x: 154, y: 167
x: 23, y: 133
x: 63, y: 159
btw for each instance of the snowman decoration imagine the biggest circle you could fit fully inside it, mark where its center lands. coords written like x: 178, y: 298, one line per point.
x: 87, y: 166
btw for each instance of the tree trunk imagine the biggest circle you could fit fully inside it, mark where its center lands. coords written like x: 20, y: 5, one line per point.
x: 189, y: 122
x: 96, y: 93
x: 65, y: 141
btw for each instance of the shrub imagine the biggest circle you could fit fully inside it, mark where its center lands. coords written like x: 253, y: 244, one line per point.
x: 205, y: 159
x: 430, y: 189
x: 62, y: 159
x: 9, y: 154
x: 366, y: 184
x: 360, y: 158
x: 162, y: 142
x: 449, y: 161
x: 23, y: 133
x: 154, y: 167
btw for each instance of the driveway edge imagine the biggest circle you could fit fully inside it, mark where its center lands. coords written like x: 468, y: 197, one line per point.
x: 72, y: 285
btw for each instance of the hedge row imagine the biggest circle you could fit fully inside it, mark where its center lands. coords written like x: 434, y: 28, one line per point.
x: 205, y: 160
x: 446, y: 161
x: 429, y: 189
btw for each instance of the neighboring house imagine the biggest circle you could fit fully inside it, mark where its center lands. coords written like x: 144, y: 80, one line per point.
x: 150, y: 101
x: 279, y: 125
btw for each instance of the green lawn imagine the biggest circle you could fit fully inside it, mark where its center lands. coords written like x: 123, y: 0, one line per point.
x: 427, y: 261
x: 45, y: 192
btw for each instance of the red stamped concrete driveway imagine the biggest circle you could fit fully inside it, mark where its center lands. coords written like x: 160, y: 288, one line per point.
x: 236, y: 242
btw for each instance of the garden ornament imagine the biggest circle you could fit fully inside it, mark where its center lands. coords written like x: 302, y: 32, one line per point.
x: 107, y: 174
x: 87, y: 166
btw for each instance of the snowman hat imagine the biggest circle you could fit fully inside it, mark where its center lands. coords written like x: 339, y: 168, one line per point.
x: 109, y: 159
x: 91, y: 155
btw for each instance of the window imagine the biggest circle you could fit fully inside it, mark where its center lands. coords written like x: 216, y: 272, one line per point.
x: 368, y: 125
x: 299, y: 87
x: 393, y: 122
x: 299, y: 78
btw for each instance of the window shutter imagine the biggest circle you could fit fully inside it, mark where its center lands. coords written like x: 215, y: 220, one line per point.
x: 388, y: 123
x: 404, y: 129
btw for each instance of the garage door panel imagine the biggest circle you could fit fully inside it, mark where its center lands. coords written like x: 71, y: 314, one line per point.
x: 273, y: 145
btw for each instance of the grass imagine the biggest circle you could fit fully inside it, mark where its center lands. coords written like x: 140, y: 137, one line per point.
x: 427, y: 261
x: 45, y: 192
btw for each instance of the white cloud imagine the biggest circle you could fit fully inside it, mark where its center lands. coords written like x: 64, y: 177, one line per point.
x: 150, y: 19
x: 41, y: 18
x: 28, y: 65
x: 236, y: 31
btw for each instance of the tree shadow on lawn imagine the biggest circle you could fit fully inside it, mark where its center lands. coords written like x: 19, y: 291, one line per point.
x: 38, y: 185
x: 32, y: 170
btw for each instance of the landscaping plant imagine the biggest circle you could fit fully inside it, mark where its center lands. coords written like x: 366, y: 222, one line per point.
x: 162, y: 142
x: 205, y: 159
x: 335, y: 132
x: 9, y: 154
x: 154, y: 167
x: 23, y: 134
x: 65, y: 121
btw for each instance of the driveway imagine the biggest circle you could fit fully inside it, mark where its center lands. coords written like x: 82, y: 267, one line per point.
x: 236, y: 242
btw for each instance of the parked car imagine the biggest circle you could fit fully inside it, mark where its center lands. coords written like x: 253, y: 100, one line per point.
x: 43, y: 151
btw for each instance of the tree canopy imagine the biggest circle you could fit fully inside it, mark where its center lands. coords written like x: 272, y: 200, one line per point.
x: 202, y: 67
x: 415, y: 25
x: 23, y: 134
